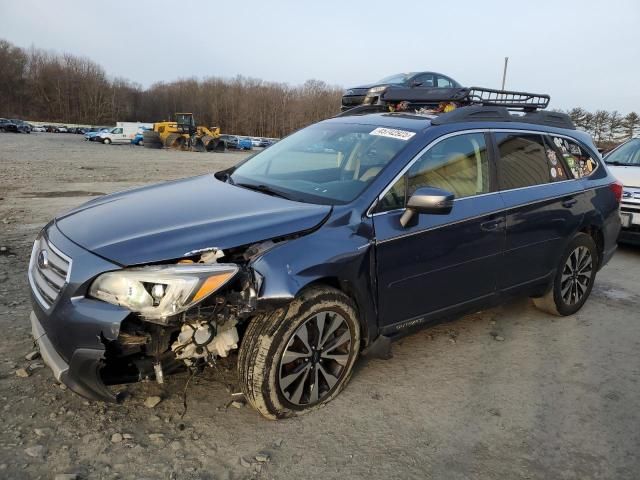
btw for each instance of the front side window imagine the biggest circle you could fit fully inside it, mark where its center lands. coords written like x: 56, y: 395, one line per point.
x: 577, y: 158
x: 425, y: 80
x: 329, y: 163
x: 522, y: 160
x: 457, y: 164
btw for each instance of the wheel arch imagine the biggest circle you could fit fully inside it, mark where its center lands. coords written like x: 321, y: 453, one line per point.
x: 595, y: 232
x: 348, y: 289
x: 342, y: 262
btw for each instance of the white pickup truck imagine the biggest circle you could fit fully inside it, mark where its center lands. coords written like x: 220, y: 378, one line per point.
x: 624, y: 164
x: 123, y: 132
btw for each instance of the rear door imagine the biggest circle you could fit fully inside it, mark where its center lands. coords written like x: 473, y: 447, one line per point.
x: 543, y: 207
x: 442, y: 263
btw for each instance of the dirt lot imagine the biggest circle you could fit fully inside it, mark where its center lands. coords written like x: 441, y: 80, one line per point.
x: 558, y: 398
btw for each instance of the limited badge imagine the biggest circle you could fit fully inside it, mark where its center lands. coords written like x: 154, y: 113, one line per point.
x: 393, y: 133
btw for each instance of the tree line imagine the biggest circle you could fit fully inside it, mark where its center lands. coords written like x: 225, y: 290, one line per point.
x: 40, y: 85
x: 606, y: 128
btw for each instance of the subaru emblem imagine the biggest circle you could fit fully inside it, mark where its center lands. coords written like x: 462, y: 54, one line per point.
x: 43, y: 260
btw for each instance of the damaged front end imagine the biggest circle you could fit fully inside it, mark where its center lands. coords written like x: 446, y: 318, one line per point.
x: 184, y: 315
x: 107, y: 325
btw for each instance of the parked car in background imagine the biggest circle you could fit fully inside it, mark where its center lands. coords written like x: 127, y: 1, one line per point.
x: 60, y: 129
x: 22, y: 126
x: 38, y: 128
x: 266, y: 142
x: 139, y: 137
x: 624, y: 164
x: 7, y: 125
x: 255, y: 141
x: 236, y: 142
x: 123, y: 132
x: 355, y: 96
x: 93, y: 132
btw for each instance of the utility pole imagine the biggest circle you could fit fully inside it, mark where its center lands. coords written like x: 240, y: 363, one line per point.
x: 504, y: 73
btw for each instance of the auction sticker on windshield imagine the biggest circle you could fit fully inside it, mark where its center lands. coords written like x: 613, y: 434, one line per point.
x: 393, y: 133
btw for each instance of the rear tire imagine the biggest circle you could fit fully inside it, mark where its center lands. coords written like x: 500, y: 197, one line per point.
x: 297, y: 358
x: 574, y: 279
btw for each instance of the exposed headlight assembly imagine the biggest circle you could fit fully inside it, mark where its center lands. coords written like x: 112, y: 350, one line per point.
x: 379, y: 89
x: 157, y: 292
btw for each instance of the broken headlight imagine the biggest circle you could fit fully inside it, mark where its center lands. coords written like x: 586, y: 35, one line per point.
x: 156, y: 292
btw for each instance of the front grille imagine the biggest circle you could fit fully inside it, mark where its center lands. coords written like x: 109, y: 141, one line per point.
x: 630, y: 207
x: 49, y: 271
x: 353, y: 100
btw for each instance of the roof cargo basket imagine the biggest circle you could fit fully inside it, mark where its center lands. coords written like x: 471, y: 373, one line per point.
x: 528, y: 102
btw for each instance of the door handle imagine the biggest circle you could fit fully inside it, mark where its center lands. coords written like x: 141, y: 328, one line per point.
x: 569, y: 202
x: 491, y: 225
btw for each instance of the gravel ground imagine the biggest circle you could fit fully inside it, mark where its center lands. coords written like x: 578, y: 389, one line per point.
x: 505, y: 393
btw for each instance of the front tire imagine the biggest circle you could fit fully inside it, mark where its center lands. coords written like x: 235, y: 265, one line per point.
x: 106, y: 141
x: 574, y: 278
x: 297, y: 358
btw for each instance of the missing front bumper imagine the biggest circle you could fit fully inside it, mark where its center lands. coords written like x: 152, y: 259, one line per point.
x: 81, y: 374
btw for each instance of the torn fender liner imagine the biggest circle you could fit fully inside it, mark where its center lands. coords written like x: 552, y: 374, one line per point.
x: 162, y: 222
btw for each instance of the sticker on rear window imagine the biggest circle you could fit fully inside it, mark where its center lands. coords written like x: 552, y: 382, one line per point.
x: 392, y: 133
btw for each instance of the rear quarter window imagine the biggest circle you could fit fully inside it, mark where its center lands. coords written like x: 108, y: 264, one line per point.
x: 576, y: 157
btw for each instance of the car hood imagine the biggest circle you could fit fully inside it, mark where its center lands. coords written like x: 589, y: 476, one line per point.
x: 166, y: 221
x: 629, y: 176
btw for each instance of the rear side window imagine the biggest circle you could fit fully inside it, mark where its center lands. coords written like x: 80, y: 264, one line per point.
x: 577, y: 158
x: 522, y: 160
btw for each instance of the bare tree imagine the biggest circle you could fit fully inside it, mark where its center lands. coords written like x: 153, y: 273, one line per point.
x: 631, y: 125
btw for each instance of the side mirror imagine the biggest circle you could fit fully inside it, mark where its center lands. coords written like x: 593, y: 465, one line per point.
x: 427, y: 200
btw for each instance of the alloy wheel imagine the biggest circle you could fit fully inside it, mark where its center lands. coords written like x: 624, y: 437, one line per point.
x: 315, y: 359
x: 576, y: 275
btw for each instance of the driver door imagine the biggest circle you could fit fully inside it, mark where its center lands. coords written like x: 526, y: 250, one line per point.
x: 441, y: 263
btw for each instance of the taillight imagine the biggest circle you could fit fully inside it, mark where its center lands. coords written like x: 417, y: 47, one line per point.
x: 616, y: 188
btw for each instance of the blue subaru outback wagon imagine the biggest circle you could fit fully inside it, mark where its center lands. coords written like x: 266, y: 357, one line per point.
x: 341, y: 237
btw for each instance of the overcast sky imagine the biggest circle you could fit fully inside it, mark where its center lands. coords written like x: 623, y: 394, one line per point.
x: 583, y: 53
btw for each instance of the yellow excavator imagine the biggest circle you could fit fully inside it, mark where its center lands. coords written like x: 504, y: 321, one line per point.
x: 183, y: 134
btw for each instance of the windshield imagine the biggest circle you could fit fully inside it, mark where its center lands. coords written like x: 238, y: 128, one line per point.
x: 325, y: 163
x: 627, y: 154
x: 397, y: 78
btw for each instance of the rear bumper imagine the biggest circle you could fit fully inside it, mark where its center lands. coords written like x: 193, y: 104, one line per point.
x: 82, y: 374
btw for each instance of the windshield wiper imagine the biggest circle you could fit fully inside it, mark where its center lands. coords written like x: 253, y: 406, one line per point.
x: 264, y: 189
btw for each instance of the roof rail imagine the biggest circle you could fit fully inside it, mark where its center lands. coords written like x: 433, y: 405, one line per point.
x: 480, y: 113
